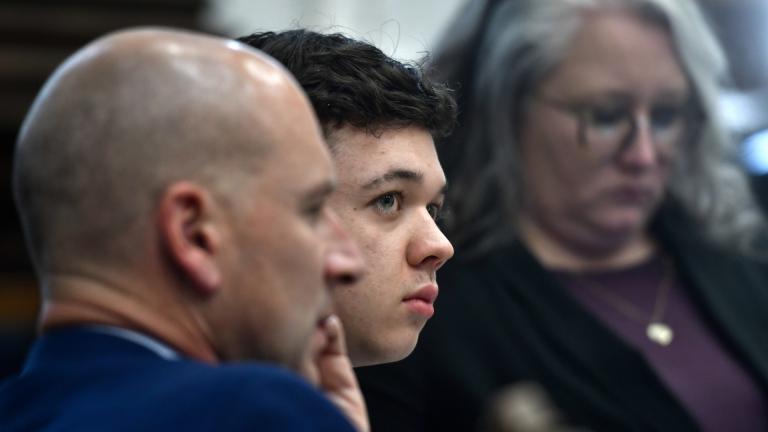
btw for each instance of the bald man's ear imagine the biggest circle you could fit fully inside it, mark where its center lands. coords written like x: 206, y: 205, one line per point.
x: 190, y: 236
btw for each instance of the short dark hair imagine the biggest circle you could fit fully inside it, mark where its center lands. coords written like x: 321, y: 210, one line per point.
x: 353, y: 83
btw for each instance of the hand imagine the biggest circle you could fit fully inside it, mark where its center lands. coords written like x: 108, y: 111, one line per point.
x: 329, y: 367
x: 524, y: 407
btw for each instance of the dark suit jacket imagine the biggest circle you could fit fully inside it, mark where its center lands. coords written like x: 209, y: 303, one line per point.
x: 80, y: 380
x: 502, y: 318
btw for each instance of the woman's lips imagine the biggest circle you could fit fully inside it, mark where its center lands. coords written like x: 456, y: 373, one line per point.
x: 634, y: 195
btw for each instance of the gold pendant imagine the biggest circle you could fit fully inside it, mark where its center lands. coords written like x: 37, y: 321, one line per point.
x: 659, y: 333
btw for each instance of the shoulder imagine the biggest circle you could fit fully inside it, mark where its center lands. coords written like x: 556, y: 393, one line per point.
x: 244, y: 395
x: 480, y: 287
x: 685, y: 240
x: 168, y: 395
x: 489, y: 269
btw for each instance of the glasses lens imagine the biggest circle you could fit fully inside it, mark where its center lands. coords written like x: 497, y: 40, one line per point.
x: 608, y: 130
x: 605, y: 128
x: 669, y: 125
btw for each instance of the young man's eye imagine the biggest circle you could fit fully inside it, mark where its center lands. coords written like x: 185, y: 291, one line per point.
x: 388, y: 203
x: 434, y: 210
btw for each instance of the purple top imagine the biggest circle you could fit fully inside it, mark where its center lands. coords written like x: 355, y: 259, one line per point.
x: 695, y: 366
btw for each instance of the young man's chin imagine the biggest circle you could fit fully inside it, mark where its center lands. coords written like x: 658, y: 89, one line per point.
x: 384, y: 351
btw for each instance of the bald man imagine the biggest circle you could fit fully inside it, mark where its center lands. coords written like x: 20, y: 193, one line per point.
x: 173, y: 191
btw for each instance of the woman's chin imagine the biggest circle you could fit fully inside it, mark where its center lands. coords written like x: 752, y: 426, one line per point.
x: 623, y: 224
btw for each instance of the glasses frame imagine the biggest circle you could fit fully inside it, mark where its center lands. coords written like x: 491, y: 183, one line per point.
x: 694, y: 116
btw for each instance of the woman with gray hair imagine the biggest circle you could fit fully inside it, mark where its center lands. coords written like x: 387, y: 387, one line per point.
x: 606, y: 237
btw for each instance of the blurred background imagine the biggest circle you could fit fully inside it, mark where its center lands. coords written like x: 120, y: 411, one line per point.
x: 36, y: 35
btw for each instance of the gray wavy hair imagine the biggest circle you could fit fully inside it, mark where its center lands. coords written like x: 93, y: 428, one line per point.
x: 496, y: 53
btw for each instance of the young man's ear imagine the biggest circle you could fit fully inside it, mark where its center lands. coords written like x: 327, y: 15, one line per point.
x: 190, y: 236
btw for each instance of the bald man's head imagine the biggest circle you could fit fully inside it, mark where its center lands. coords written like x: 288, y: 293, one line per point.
x: 127, y: 115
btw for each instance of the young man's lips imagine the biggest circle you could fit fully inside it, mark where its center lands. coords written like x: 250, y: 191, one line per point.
x: 422, y: 301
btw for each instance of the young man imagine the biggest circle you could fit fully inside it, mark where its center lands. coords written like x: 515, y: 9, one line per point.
x: 173, y: 190
x: 379, y: 118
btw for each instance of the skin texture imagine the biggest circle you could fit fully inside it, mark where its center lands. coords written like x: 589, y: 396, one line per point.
x: 193, y: 204
x: 390, y: 189
x: 584, y: 212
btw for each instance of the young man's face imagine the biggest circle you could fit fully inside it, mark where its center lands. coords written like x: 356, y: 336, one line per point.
x: 390, y: 189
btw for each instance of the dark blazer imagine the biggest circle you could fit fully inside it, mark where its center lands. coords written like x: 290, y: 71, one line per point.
x: 502, y: 318
x: 80, y: 380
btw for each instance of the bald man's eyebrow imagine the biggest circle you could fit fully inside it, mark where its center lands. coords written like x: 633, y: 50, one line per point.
x: 392, y: 175
x: 321, y: 191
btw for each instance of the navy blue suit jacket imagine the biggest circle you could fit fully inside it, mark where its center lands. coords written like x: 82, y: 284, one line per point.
x: 81, y: 380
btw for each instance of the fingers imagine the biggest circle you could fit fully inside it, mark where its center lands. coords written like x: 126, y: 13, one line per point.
x: 524, y: 407
x: 334, y: 332
x: 317, y: 345
x: 327, y: 344
x: 308, y: 369
x: 326, y: 365
x: 336, y: 377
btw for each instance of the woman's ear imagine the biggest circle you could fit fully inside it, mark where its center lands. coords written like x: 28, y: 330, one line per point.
x: 190, y: 236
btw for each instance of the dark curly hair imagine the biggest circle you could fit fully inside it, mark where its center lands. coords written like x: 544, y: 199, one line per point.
x: 353, y: 83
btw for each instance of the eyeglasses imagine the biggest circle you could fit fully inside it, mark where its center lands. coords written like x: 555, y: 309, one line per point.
x: 610, y: 129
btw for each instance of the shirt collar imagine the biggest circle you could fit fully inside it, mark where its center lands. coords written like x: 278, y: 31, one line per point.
x: 148, y: 342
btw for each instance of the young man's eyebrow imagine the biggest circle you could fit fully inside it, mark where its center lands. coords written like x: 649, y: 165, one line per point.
x: 392, y: 175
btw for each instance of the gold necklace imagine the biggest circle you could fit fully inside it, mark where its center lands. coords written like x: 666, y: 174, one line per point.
x: 656, y: 330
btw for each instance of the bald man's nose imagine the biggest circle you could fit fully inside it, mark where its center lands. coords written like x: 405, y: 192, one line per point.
x: 343, y: 263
